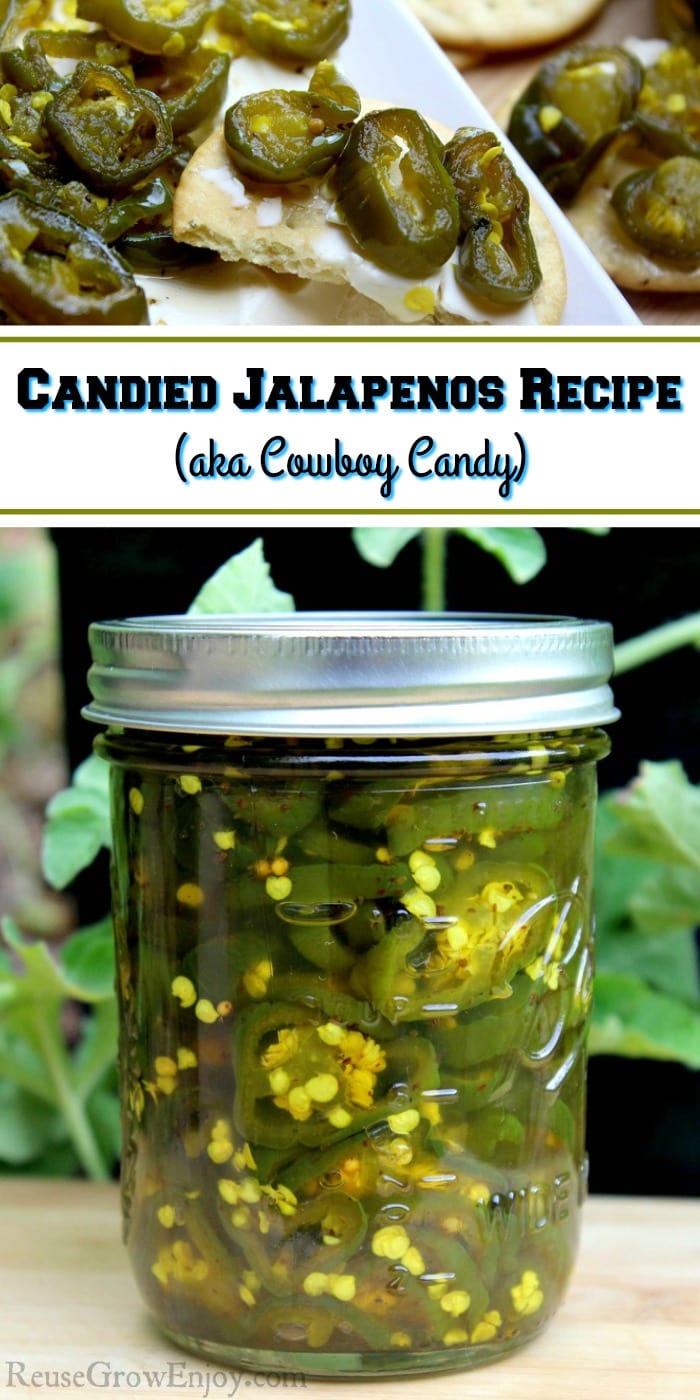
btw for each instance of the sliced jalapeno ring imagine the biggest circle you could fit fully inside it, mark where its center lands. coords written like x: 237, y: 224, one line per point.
x: 289, y: 29
x: 155, y: 250
x: 23, y: 131
x: 112, y: 131
x: 153, y: 201
x: 170, y: 30
x: 192, y: 87
x: 29, y: 67
x: 571, y: 110
x: 280, y: 137
x: 68, y: 197
x: 498, y: 258
x: 328, y: 81
x: 660, y: 209
x: 54, y: 270
x: 668, y: 111
x: 395, y: 195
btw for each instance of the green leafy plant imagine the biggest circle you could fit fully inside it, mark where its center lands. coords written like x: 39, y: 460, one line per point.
x: 59, y: 1110
x: 58, y: 1019
x: 647, y: 991
x: 522, y: 552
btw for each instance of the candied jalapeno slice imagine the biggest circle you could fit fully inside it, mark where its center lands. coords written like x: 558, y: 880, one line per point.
x: 310, y: 1082
x: 398, y: 1302
x: 309, y: 1237
x: 112, y: 131
x: 192, y: 87
x: 499, y: 919
x: 49, y: 189
x: 310, y: 1323
x: 326, y: 884
x: 498, y: 258
x: 55, y: 271
x: 660, y: 208
x: 155, y: 250
x: 395, y: 195
x: 499, y: 262
x: 280, y: 137
x: 328, y: 81
x: 23, y: 130
x: 20, y: 167
x: 571, y: 110
x: 143, y: 205
x: 489, y: 1030
x: 668, y: 111
x: 277, y: 811
x: 503, y: 806
x: 29, y: 67
x: 171, y: 28
x: 289, y: 29
x: 321, y: 946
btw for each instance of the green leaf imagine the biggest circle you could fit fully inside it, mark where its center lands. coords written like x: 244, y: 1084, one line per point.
x: 669, y: 898
x: 631, y: 1019
x: 88, y: 961
x: 617, y: 876
x: 74, y: 834
x: 57, y: 1160
x: 82, y: 976
x: 42, y: 981
x: 96, y: 1055
x: 667, y: 961
x: 92, y: 775
x: 27, y: 1126
x: 20, y: 1062
x: 27, y: 582
x: 380, y: 544
x: 77, y: 825
x: 242, y: 585
x: 521, y: 551
x: 660, y: 816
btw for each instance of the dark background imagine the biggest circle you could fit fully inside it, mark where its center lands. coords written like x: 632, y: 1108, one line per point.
x: 644, y: 1123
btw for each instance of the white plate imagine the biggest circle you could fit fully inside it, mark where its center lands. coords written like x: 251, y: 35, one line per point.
x: 388, y: 56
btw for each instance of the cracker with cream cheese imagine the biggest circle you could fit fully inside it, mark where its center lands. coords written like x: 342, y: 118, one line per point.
x: 293, y: 230
x: 592, y: 214
x: 630, y: 265
x: 503, y: 24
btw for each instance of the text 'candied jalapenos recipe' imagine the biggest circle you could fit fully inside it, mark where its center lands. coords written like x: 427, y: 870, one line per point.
x: 351, y: 889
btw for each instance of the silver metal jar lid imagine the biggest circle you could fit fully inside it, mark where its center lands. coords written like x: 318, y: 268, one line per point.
x: 351, y: 674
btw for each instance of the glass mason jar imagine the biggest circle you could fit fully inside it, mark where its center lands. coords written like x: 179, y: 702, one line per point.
x: 351, y: 886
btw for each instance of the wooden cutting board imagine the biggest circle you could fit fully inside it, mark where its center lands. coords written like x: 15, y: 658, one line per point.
x: 496, y: 79
x: 629, y: 1328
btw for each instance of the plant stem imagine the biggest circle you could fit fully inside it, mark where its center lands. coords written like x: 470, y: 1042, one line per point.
x: 638, y: 650
x: 79, y: 1130
x: 434, y: 544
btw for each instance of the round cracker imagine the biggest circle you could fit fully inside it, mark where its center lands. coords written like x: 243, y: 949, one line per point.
x: 595, y: 220
x: 631, y: 266
x: 205, y: 216
x: 503, y: 24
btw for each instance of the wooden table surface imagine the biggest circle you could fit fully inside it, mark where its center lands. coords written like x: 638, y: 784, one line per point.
x: 628, y: 1330
x: 496, y: 79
